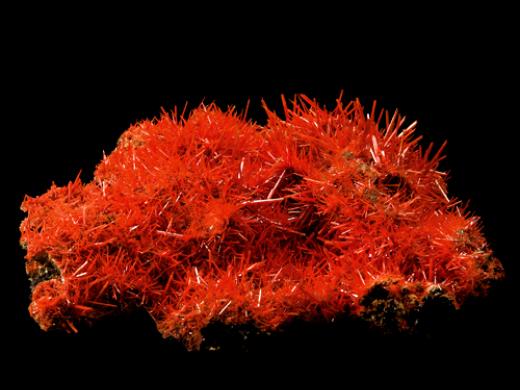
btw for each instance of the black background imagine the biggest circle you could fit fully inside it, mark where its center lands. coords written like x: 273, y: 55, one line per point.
x: 76, y: 82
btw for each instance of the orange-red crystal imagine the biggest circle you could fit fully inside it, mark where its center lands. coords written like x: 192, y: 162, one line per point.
x: 214, y: 218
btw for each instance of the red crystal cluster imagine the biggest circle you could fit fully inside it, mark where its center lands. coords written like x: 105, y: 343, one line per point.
x: 214, y: 218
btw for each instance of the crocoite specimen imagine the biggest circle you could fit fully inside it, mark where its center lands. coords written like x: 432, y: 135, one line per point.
x: 214, y: 218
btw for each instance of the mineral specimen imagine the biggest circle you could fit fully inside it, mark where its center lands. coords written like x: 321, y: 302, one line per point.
x: 212, y: 218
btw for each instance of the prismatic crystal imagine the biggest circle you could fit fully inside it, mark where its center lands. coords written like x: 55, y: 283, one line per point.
x: 212, y: 218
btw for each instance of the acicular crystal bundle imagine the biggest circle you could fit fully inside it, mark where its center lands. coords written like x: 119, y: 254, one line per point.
x: 213, y: 218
